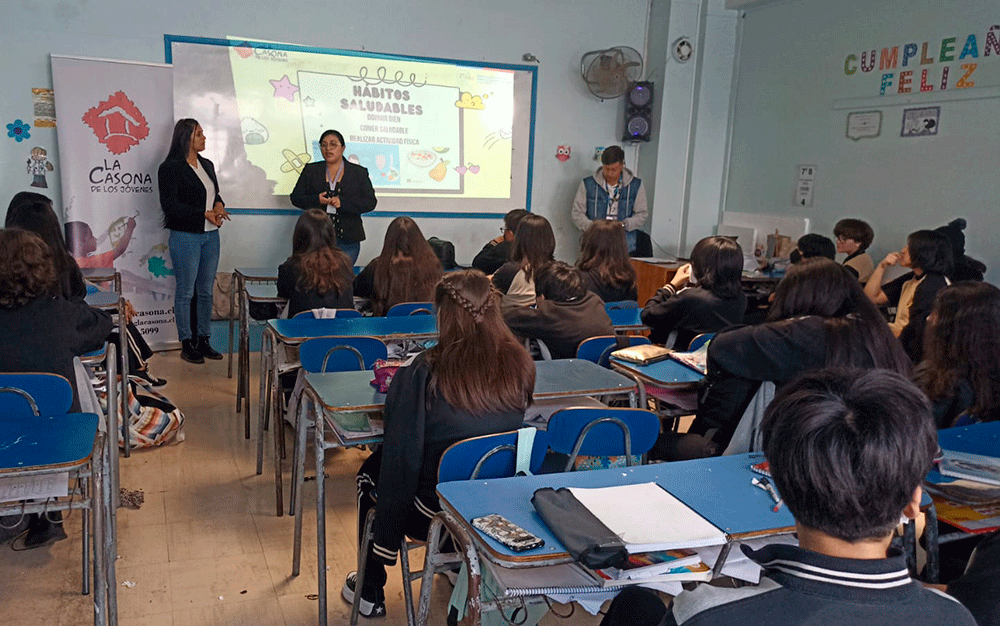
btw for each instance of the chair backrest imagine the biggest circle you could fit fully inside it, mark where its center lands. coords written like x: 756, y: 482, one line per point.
x: 411, y: 308
x: 35, y: 394
x: 621, y: 304
x: 602, y: 432
x: 699, y: 341
x: 341, y: 313
x: 598, y: 349
x: 497, y: 453
x: 340, y: 354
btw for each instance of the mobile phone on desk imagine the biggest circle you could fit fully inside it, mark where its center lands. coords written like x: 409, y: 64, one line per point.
x: 507, y: 532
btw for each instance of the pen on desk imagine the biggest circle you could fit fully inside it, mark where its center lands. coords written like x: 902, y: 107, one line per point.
x: 765, y: 484
x: 777, y: 507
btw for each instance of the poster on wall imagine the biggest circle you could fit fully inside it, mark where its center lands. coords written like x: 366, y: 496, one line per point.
x: 922, y: 122
x: 115, y: 124
x: 864, y: 125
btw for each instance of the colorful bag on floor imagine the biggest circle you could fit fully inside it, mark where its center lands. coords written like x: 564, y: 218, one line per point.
x: 153, y: 419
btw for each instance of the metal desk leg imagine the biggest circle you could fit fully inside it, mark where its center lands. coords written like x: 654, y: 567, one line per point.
x: 321, y: 520
x: 434, y: 562
x: 266, y: 356
x: 721, y: 561
x: 242, y: 358
x: 109, y: 510
x: 308, y: 409
x: 98, y: 495
x: 118, y: 282
x: 275, y: 400
x: 123, y: 356
x: 232, y: 306
x: 299, y: 454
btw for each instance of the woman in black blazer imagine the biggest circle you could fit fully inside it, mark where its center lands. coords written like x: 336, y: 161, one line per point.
x: 193, y: 211
x: 341, y: 189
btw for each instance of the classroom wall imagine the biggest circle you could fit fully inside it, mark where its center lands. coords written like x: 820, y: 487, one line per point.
x: 557, y: 32
x: 792, y: 104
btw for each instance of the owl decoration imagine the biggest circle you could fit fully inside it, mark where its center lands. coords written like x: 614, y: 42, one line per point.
x: 562, y: 153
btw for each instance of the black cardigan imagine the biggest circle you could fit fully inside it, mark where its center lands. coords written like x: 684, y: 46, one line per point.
x: 182, y: 195
x: 690, y: 312
x: 299, y: 300
x: 357, y: 196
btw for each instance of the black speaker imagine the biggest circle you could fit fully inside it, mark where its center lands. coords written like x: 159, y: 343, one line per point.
x: 638, y: 112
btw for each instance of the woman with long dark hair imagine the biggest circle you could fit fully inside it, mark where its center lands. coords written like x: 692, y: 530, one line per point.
x: 193, y: 211
x: 317, y: 275
x: 820, y: 318
x: 534, y: 246
x: 604, y: 263
x: 703, y: 296
x: 406, y: 271
x: 929, y: 257
x: 961, y: 368
x: 33, y: 211
x: 478, y: 379
x: 339, y: 188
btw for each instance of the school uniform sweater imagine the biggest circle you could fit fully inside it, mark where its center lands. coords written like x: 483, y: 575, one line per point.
x: 912, y: 334
x: 561, y: 325
x: 492, y: 256
x: 691, y: 312
x: 804, y: 588
x: 419, y: 427
x: 304, y: 300
x: 606, y: 291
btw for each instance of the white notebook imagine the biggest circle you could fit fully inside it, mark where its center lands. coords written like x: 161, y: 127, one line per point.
x: 648, y: 518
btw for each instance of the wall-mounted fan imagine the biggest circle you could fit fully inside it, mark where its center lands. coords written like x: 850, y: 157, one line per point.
x: 608, y: 73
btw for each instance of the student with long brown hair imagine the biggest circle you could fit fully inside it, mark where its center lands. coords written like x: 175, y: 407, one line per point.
x: 961, y: 368
x: 478, y: 379
x: 406, y: 271
x: 534, y: 246
x: 604, y: 263
x: 317, y: 275
x: 703, y: 296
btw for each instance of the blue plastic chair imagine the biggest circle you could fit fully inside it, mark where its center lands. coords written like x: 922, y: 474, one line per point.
x: 598, y: 349
x: 341, y: 314
x: 489, y: 456
x: 340, y: 354
x: 34, y: 394
x: 602, y: 432
x: 621, y: 304
x: 699, y: 341
x: 410, y: 308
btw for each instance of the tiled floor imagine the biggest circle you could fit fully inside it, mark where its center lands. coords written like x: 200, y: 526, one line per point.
x: 206, y: 547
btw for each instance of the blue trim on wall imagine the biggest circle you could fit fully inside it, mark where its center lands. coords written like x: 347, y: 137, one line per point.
x: 296, y: 212
x: 532, y: 69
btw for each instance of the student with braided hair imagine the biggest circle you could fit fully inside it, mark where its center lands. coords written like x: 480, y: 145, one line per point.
x: 476, y: 380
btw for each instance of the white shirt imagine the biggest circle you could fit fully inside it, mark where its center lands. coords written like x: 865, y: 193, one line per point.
x: 612, y: 201
x: 209, y: 194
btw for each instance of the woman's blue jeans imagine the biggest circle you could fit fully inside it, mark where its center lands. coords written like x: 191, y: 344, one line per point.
x: 196, y: 258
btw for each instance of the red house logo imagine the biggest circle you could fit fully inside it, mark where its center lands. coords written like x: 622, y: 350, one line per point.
x: 117, y: 123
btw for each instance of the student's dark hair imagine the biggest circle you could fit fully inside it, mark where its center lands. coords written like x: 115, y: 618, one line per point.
x: 604, y: 252
x: 407, y: 269
x: 848, y: 448
x: 180, y: 143
x: 856, y: 333
x: 960, y: 342
x: 858, y: 230
x: 717, y: 265
x: 477, y: 365
x: 322, y: 266
x: 612, y: 155
x: 814, y: 245
x: 559, y: 282
x: 336, y: 133
x: 513, y: 218
x: 930, y: 252
x: 27, y: 270
x: 534, y: 243
x: 33, y: 212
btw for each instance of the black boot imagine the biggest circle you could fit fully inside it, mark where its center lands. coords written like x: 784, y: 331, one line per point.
x: 206, y: 350
x: 189, y: 351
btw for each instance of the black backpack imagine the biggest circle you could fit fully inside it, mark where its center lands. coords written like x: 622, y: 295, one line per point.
x: 445, y: 251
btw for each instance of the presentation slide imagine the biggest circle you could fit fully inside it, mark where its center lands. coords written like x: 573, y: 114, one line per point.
x: 435, y: 136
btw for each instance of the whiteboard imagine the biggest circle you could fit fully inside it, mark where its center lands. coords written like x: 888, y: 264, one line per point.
x: 439, y: 138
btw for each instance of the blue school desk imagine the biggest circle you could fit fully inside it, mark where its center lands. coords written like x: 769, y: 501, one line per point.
x: 626, y: 319
x: 115, y: 303
x: 666, y: 373
x: 238, y: 297
x: 327, y: 397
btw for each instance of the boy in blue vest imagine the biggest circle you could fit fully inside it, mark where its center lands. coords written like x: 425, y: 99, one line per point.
x: 848, y: 450
x: 612, y: 193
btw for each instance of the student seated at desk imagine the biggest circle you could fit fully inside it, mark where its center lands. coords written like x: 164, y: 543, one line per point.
x: 961, y: 368
x: 565, y: 315
x: 42, y: 332
x: 317, y: 275
x: 813, y: 245
x: 497, y: 251
x: 604, y: 263
x: 534, y: 245
x: 848, y: 450
x: 704, y: 296
x: 478, y: 379
x: 928, y: 255
x: 854, y: 237
x: 820, y: 318
x: 406, y: 271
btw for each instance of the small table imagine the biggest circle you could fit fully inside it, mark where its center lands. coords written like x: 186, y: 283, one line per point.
x: 114, y: 302
x: 103, y: 275
x: 252, y: 293
x: 242, y: 276
x: 718, y: 488
x: 625, y: 320
x: 347, y: 392
x: 667, y: 373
